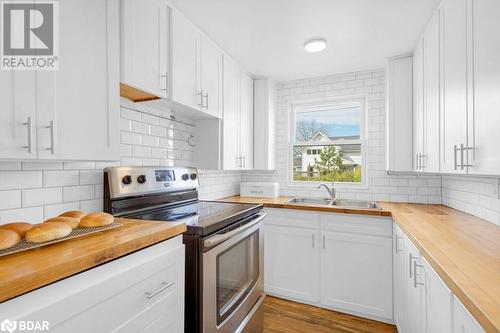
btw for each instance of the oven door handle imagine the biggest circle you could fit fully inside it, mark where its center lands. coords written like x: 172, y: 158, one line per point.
x: 217, y: 239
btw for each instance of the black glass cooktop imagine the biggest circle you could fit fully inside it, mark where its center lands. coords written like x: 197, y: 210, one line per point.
x: 202, y: 217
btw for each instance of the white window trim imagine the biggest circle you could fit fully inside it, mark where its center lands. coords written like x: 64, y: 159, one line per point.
x: 363, y: 100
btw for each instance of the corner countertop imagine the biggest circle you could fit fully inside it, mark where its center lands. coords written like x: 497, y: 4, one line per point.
x: 464, y: 250
x: 26, y: 271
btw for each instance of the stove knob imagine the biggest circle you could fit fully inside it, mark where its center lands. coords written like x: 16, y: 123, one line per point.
x: 185, y: 176
x: 127, y: 180
x: 193, y: 176
x: 141, y: 179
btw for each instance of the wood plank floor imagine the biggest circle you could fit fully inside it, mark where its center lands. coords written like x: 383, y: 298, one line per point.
x: 276, y: 315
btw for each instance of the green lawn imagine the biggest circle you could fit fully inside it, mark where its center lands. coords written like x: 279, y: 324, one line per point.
x: 346, y: 176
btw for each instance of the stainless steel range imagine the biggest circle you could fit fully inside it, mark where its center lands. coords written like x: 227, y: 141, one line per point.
x: 224, y: 241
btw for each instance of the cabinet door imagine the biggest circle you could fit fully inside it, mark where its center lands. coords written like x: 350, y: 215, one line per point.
x: 185, y: 64
x: 356, y: 273
x: 484, y: 133
x: 17, y: 115
x: 463, y: 322
x: 291, y: 262
x: 418, y: 106
x: 415, y: 322
x: 78, y: 105
x: 430, y: 161
x: 437, y: 302
x: 399, y: 276
x: 246, y: 127
x: 211, y: 78
x: 231, y: 159
x: 145, y: 47
x: 454, y: 84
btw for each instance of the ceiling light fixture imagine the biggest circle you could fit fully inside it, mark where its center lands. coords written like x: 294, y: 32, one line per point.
x: 315, y: 45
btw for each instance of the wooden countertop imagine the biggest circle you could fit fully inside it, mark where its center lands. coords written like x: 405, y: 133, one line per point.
x: 282, y: 202
x: 464, y: 250
x: 25, y: 271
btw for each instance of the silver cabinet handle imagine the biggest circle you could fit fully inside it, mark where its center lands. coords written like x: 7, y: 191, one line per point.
x: 52, y: 137
x: 455, y: 149
x: 396, y: 244
x: 164, y: 81
x: 410, y: 261
x: 416, y: 161
x: 29, y: 125
x: 415, y: 282
x: 462, y: 149
x: 201, y: 98
x: 461, y: 156
x: 324, y: 243
x: 206, y: 106
x: 244, y: 159
x: 313, y: 240
x: 164, y: 285
x: 423, y: 158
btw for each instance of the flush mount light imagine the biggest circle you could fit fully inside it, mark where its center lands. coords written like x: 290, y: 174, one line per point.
x: 315, y: 45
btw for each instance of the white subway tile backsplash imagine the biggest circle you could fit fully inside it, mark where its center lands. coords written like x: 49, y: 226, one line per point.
x: 31, y: 215
x: 10, y: 199
x: 13, y: 180
x: 78, y: 193
x: 42, y: 165
x: 41, y: 196
x: 91, y: 177
x: 60, y: 178
x: 55, y: 210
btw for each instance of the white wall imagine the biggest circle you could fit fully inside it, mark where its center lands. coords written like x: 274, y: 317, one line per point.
x: 34, y: 191
x: 380, y: 186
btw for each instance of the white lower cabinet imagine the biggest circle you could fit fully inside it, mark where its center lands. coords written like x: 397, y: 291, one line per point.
x: 422, y: 301
x: 338, y: 261
x: 141, y: 292
x: 292, y: 262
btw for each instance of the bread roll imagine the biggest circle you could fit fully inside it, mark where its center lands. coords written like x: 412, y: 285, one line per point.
x: 48, y: 231
x: 96, y: 220
x: 71, y: 221
x: 74, y: 213
x: 18, y: 227
x: 8, y: 238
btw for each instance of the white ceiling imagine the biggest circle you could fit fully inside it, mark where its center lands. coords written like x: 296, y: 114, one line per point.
x: 267, y: 36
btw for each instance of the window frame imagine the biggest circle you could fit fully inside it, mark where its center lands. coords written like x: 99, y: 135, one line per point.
x: 294, y: 105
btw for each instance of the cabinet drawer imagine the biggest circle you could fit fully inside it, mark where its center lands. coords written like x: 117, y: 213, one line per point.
x: 292, y: 218
x: 106, y: 298
x: 359, y: 224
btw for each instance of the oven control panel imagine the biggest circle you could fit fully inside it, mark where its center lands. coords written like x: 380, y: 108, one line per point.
x: 132, y: 181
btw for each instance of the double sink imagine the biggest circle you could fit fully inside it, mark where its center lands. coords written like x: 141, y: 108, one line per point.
x: 340, y: 203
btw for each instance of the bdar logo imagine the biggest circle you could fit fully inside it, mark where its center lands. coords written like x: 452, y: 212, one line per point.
x: 8, y: 326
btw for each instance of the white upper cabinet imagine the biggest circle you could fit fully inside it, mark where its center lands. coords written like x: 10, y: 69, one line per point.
x: 399, y: 113
x: 211, y: 78
x: 17, y: 115
x: 196, y: 70
x: 429, y: 162
x: 264, y: 124
x: 78, y: 105
x: 145, y: 45
x: 484, y: 120
x: 454, y: 86
x: 71, y: 113
x: 231, y: 122
x: 237, y: 137
x: 246, y: 123
x: 418, y: 107
x: 185, y: 64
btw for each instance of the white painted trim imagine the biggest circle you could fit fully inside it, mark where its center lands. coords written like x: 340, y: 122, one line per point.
x: 291, y: 105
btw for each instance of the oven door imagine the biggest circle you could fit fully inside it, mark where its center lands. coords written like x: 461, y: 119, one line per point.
x: 232, y: 276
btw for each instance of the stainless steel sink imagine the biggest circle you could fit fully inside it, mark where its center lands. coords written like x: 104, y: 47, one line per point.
x: 311, y: 201
x: 335, y: 203
x: 355, y: 204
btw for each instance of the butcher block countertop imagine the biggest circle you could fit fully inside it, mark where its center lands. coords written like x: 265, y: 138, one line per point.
x: 464, y: 250
x: 25, y: 271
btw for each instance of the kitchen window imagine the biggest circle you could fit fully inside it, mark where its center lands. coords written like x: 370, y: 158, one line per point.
x: 328, y: 142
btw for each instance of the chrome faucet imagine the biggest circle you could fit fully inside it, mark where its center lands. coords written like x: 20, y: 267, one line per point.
x: 331, y: 190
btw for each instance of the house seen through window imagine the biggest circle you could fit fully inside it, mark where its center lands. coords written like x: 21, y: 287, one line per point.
x: 328, y: 142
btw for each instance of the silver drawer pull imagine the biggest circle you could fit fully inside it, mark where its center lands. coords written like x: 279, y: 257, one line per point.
x: 29, y: 125
x: 164, y: 285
